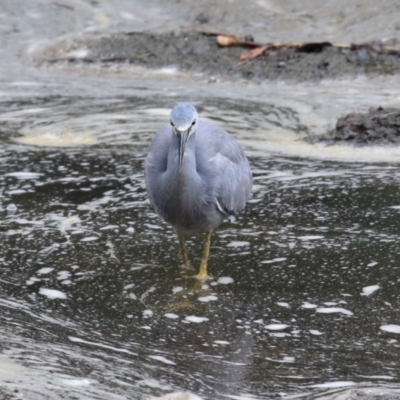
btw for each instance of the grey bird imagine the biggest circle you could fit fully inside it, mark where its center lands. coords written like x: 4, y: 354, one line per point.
x: 196, y: 176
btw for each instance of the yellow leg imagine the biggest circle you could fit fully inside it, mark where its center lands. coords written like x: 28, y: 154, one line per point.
x: 182, y: 245
x: 203, y: 267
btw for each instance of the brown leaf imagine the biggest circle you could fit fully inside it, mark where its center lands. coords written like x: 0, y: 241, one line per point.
x: 228, y: 40
x: 257, y: 52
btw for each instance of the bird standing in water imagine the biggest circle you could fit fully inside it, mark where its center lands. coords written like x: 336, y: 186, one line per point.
x: 197, y: 175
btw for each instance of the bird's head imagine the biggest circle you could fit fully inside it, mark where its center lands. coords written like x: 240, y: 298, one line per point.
x: 183, y: 120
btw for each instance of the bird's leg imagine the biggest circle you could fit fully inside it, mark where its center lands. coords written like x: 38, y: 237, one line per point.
x: 203, y: 266
x: 182, y: 245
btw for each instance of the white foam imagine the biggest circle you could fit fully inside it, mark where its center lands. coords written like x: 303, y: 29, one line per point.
x: 316, y: 332
x: 100, y: 345
x: 225, y: 280
x: 24, y: 221
x: 368, y: 290
x: 276, y: 327
x: 24, y: 175
x: 169, y: 70
x: 390, y: 328
x: 162, y: 359
x: 45, y: 270
x: 223, y: 342
x: 89, y: 239
x: 52, y: 293
x: 107, y: 227
x: 236, y: 243
x: 76, y: 382
x: 206, y: 299
x: 283, y: 304
x: 129, y: 286
x: 274, y: 260
x: 171, y: 316
x: 279, y: 334
x: 310, y: 237
x: 11, y: 208
x: 78, y: 53
x: 333, y: 310
x: 16, y: 191
x: 32, y: 280
x: 387, y: 377
x: 62, y: 275
x: 306, y: 304
x: 284, y: 360
x: 147, y: 313
x: 197, y: 320
x: 336, y: 384
x: 67, y: 223
x: 153, y: 383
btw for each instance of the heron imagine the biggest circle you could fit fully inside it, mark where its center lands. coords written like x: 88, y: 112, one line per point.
x: 196, y: 176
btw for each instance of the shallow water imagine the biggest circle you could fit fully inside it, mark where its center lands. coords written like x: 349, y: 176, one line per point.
x: 94, y: 302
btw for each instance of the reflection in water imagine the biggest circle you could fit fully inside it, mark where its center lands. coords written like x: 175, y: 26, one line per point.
x: 306, y: 289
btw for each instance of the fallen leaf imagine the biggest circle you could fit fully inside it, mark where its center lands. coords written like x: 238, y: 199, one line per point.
x: 228, y: 40
x: 257, y: 52
x: 232, y: 40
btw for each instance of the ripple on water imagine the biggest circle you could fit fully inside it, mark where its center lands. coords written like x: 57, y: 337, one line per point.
x: 92, y: 301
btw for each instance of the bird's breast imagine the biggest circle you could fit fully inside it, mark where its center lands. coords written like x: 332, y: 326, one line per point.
x: 192, y: 204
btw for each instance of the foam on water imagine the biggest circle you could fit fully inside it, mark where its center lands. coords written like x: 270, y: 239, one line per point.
x: 195, y: 319
x: 52, y: 293
x: 333, y: 310
x: 330, y: 385
x: 392, y: 328
x: 368, y: 290
x: 162, y: 359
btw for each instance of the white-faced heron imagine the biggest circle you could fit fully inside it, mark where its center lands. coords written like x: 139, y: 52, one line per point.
x: 196, y: 176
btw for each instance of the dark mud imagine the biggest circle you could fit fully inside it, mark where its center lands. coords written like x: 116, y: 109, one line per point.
x: 5, y: 394
x: 198, y: 52
x: 379, y: 126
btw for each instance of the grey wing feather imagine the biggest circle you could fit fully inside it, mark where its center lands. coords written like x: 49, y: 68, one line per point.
x: 235, y: 179
x: 157, y: 160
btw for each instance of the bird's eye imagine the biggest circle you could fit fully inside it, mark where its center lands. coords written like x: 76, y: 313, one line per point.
x: 193, y: 123
x: 171, y: 123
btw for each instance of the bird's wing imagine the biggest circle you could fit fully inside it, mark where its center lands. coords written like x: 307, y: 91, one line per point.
x: 235, y: 183
x: 156, y: 160
x: 231, y: 170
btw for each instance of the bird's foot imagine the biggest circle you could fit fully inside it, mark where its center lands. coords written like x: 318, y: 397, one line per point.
x: 203, y: 276
x: 187, y: 266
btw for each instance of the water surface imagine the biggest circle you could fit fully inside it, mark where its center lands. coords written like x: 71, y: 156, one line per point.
x: 93, y: 298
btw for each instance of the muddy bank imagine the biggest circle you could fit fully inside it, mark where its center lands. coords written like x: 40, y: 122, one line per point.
x: 378, y: 126
x: 199, y: 53
x: 6, y: 394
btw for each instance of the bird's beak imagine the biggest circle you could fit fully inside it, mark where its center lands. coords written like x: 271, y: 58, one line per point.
x: 183, y: 137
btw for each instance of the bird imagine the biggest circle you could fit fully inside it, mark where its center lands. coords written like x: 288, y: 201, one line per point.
x: 196, y: 176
